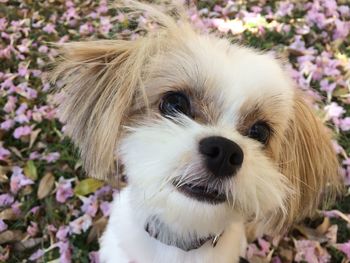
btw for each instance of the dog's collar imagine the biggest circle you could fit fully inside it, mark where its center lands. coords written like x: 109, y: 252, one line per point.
x: 193, y: 244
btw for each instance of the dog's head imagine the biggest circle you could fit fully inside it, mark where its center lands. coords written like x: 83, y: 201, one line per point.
x: 205, y: 130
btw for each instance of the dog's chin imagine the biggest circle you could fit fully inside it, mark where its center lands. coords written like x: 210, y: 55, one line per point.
x: 201, y: 193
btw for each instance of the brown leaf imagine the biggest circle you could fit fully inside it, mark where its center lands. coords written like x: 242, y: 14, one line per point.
x: 9, y: 236
x: 45, y: 186
x: 27, y: 244
x: 332, y: 234
x: 33, y: 135
x: 322, y: 228
x: 3, y: 176
x: 8, y: 214
x: 286, y: 254
x: 97, y: 229
x: 16, y: 152
x: 295, y: 52
x: 311, y: 234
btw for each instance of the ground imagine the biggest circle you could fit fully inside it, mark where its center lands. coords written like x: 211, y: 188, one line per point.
x: 50, y: 212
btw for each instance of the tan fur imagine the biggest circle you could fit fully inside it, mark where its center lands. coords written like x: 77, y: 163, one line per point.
x: 308, y: 160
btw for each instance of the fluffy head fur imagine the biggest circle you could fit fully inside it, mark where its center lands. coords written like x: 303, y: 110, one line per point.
x: 113, y: 89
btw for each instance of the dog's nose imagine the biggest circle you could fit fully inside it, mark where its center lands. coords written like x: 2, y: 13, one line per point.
x: 223, y: 157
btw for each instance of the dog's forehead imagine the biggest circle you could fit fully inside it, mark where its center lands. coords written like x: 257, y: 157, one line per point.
x: 234, y: 73
x: 226, y: 78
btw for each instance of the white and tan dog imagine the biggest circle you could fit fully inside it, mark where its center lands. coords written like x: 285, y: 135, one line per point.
x: 211, y: 136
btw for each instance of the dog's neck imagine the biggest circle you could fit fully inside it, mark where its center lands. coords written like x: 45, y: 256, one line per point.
x: 163, y: 233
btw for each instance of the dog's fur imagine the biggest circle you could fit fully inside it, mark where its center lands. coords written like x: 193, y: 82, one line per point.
x: 112, y: 91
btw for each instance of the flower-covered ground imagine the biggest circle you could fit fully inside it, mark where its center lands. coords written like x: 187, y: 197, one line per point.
x: 50, y: 212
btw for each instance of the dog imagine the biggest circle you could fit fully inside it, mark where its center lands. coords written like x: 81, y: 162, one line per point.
x: 211, y: 136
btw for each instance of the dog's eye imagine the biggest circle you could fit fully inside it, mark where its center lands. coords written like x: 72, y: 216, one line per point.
x: 260, y: 131
x: 175, y: 102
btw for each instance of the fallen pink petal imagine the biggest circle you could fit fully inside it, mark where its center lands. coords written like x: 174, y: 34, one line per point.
x: 42, y: 198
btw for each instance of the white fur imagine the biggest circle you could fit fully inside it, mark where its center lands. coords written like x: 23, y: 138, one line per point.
x: 125, y: 241
x: 157, y: 150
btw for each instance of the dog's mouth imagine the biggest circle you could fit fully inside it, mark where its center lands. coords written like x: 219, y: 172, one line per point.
x: 201, y: 193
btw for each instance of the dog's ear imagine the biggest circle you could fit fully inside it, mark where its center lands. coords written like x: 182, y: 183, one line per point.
x: 100, y: 80
x: 309, y: 162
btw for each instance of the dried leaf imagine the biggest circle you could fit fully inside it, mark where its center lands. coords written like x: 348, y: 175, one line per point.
x: 3, y: 176
x: 8, y: 214
x: 97, y: 229
x: 322, y: 228
x: 332, y: 234
x: 28, y: 244
x: 16, y: 152
x: 11, y: 236
x: 30, y: 170
x: 286, y: 254
x: 45, y: 186
x: 87, y: 186
x: 340, y: 92
x: 311, y: 234
x: 257, y: 259
x: 33, y: 135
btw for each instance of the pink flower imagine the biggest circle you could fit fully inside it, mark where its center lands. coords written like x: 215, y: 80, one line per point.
x: 86, y: 29
x: 345, y: 248
x: 10, y: 104
x: 65, y: 252
x: 43, y: 49
x: 22, y: 131
x: 345, y: 124
x: 51, y: 157
x: 22, y: 109
x: 343, y: 9
x: 253, y: 250
x: 3, y: 24
x: 94, y: 257
x: 6, y: 200
x: 18, y: 180
x: 4, y: 153
x: 298, y: 43
x: 334, y: 110
x: 23, y: 70
x: 6, y: 125
x: 36, y: 255
x: 105, y: 190
x: 33, y: 229
x: 51, y: 228
x: 105, y: 208
x: 34, y: 155
x: 235, y: 26
x: 310, y: 251
x: 64, y: 190
x: 3, y: 226
x: 103, y: 8
x: 16, y: 208
x: 81, y: 224
x: 285, y: 8
x: 90, y: 205
x: 34, y: 209
x: 326, y: 86
x: 105, y: 25
x: 49, y: 28
x: 342, y: 29
x: 62, y: 233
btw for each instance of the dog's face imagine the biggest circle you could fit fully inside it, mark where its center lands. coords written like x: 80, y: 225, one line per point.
x: 206, y: 131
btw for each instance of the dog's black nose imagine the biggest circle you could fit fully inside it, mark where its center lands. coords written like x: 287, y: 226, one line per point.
x: 223, y: 157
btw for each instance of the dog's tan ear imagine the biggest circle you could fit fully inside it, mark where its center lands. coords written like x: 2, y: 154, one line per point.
x: 100, y: 80
x: 309, y: 162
